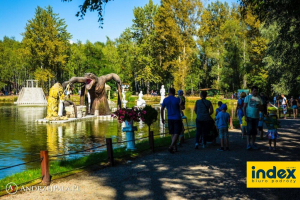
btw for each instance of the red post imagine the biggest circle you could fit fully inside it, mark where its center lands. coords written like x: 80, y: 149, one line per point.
x: 110, y: 152
x: 45, y: 168
x: 151, y: 141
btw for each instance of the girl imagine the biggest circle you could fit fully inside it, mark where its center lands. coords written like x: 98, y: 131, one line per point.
x: 295, y: 107
x: 272, y: 134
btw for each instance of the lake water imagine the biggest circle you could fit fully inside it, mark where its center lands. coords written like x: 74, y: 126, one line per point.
x: 21, y: 138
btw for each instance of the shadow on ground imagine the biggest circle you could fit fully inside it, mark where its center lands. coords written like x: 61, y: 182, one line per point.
x: 200, y: 174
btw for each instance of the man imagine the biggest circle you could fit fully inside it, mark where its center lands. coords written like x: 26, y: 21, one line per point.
x: 285, y: 105
x: 251, y: 111
x: 174, y: 119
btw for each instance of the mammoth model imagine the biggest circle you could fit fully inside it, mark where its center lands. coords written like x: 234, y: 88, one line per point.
x: 96, y: 88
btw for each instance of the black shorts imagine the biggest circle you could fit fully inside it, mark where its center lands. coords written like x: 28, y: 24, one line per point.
x: 252, y: 125
x: 260, y: 128
x: 175, y: 126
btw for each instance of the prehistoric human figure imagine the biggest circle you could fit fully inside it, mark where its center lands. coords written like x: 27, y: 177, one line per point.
x: 96, y: 87
x: 55, y: 94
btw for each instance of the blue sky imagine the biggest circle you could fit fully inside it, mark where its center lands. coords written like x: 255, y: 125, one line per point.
x: 118, y: 15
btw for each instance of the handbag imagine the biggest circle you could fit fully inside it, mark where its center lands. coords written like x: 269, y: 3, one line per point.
x: 213, y: 133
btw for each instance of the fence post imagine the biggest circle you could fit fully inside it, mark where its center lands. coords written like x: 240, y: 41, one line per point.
x: 279, y: 114
x: 45, y: 168
x: 110, y: 153
x: 151, y: 141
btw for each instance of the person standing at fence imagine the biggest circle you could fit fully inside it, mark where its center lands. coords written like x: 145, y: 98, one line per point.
x: 182, y: 107
x: 174, y: 119
x: 251, y: 112
x: 203, y: 108
x: 239, y: 110
x: 285, y: 105
x: 294, y: 105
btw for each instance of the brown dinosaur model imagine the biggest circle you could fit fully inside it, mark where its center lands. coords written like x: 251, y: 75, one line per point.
x: 96, y: 88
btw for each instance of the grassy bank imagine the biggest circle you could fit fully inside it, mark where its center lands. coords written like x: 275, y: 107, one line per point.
x: 10, y: 98
x: 70, y: 166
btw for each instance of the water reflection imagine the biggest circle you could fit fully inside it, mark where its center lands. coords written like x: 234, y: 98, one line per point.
x: 22, y: 138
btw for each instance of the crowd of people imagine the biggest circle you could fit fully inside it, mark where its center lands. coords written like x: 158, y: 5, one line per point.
x: 251, y: 110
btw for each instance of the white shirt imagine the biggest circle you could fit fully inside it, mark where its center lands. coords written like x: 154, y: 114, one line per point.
x: 284, y: 100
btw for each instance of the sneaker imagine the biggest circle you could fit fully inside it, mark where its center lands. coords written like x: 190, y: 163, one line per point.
x: 254, y: 147
x: 196, y: 146
x: 171, y: 150
x: 227, y: 149
x: 249, y: 147
x: 221, y: 149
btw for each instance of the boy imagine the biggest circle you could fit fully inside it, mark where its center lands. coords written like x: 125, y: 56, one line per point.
x: 261, y: 122
x: 223, y: 119
x: 182, y: 107
x: 219, y: 108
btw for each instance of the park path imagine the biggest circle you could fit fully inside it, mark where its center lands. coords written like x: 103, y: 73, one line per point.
x: 188, y: 174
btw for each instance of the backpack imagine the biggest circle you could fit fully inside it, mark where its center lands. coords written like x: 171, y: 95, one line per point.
x: 242, y: 104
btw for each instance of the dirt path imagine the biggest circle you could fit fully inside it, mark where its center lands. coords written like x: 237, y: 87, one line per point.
x: 188, y: 174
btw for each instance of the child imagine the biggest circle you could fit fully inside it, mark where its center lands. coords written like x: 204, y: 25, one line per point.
x: 223, y: 119
x: 272, y: 134
x: 182, y: 107
x: 219, y: 108
x: 244, y: 127
x: 261, y: 122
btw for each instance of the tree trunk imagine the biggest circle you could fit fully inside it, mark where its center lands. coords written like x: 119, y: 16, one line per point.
x: 192, y: 90
x: 218, y: 79
x: 244, y: 77
x: 148, y: 87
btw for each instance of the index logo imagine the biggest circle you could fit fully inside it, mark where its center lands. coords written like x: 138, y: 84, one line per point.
x: 273, y: 174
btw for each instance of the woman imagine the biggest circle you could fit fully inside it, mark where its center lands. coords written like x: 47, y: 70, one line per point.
x: 294, y: 104
x: 239, y: 110
x: 203, y: 108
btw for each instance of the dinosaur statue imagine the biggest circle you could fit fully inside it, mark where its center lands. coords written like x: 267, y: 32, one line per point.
x: 96, y: 88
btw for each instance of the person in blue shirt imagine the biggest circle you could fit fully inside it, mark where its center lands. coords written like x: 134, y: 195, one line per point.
x: 219, y: 108
x: 174, y: 118
x: 239, y: 110
x: 223, y: 119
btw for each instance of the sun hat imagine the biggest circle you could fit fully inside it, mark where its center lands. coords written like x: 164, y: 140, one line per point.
x: 223, y: 107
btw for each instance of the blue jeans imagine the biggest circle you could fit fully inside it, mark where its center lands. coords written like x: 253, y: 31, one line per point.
x: 202, y: 130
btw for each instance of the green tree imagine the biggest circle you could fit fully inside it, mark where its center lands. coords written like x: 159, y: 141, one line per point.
x: 176, y: 24
x: 144, y: 36
x: 46, y: 41
x: 283, y: 49
x: 94, y: 5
